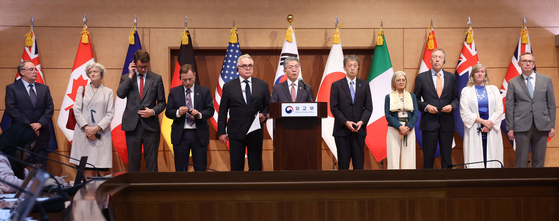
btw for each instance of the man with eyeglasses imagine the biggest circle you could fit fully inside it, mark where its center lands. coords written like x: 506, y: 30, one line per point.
x: 437, y: 97
x: 243, y: 98
x: 293, y: 89
x: 352, y: 106
x: 30, y: 102
x: 530, y: 112
x: 145, y: 100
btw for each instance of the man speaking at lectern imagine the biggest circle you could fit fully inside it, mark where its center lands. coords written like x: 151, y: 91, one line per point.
x: 293, y: 89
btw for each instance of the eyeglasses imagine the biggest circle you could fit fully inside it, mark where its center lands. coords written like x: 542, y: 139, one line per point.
x: 30, y: 69
x: 142, y: 67
x: 439, y: 57
x: 527, y: 61
x: 246, y: 66
x: 293, y: 67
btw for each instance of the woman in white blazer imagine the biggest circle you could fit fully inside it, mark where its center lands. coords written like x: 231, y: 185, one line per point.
x: 481, y: 109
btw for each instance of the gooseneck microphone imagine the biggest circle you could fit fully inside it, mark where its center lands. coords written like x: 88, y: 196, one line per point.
x: 69, y: 157
x: 478, y: 162
x: 68, y: 165
x: 305, y: 86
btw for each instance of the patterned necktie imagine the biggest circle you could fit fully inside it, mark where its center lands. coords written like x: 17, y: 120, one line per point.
x: 352, y: 91
x: 141, y: 85
x: 32, y: 95
x: 247, y: 91
x: 293, y: 93
x: 189, y: 118
x: 439, y: 85
x: 530, y: 87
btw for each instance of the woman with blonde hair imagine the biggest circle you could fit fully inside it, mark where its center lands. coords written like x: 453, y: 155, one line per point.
x: 400, y: 109
x: 481, y: 110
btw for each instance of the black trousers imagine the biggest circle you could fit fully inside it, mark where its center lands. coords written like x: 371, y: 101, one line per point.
x: 39, y: 147
x: 190, y: 142
x: 430, y: 141
x: 350, y: 147
x: 134, y: 141
x: 253, y: 143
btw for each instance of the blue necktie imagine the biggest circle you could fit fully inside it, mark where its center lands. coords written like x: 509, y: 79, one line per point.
x: 352, y: 91
x: 32, y: 95
x: 247, y: 91
x: 530, y: 87
x: 189, y: 118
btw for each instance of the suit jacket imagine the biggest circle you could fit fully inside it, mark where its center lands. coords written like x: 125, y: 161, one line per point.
x: 521, y: 109
x: 282, y: 93
x: 343, y: 110
x: 20, y: 108
x: 426, y: 94
x: 153, y: 98
x: 241, y: 115
x: 203, y: 102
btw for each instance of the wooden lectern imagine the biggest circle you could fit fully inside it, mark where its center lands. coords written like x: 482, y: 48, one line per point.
x: 297, y: 138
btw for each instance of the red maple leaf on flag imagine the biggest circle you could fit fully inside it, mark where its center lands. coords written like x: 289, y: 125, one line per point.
x: 75, y: 85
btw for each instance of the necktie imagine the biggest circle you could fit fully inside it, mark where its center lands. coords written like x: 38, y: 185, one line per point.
x: 439, y: 85
x: 141, y: 85
x: 32, y: 95
x: 247, y: 91
x: 293, y: 93
x: 352, y: 91
x: 530, y: 87
x: 189, y: 118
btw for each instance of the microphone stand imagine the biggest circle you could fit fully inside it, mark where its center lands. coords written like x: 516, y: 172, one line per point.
x: 59, y: 154
x: 465, y: 164
x: 309, y: 97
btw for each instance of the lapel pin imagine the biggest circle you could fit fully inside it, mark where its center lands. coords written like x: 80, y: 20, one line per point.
x: 300, y: 88
x: 197, y: 94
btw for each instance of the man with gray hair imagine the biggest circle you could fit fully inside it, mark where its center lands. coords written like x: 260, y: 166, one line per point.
x: 352, y: 106
x: 243, y: 98
x: 30, y: 102
x: 293, y: 89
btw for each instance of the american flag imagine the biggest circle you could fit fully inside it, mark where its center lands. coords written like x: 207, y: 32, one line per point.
x: 31, y: 53
x: 468, y: 58
x: 228, y: 72
x: 514, y: 69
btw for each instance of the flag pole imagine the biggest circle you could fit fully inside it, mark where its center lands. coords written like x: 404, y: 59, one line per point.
x: 32, y: 21
x: 84, y: 20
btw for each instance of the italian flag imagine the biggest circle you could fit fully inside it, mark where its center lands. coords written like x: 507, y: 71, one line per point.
x: 380, y: 76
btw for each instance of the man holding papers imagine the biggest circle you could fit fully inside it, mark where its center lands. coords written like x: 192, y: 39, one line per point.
x: 244, y: 99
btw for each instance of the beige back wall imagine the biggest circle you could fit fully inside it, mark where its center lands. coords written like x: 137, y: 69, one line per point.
x: 262, y: 25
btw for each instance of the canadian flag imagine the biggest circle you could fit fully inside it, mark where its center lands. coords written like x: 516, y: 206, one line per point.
x: 333, y: 71
x: 77, y: 78
x: 289, y: 50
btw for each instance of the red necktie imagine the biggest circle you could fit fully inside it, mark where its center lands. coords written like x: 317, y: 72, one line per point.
x: 141, y: 85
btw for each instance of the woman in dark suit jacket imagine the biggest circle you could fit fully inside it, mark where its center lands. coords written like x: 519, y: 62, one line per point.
x: 400, y: 108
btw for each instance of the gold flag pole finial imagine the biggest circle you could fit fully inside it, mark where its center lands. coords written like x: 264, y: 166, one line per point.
x: 85, y: 32
x: 524, y: 33
x: 380, y: 41
x: 289, y: 32
x: 233, y: 33
x: 430, y: 41
x: 131, y: 39
x: 336, y: 39
x: 29, y: 35
x: 470, y: 32
x: 184, y: 35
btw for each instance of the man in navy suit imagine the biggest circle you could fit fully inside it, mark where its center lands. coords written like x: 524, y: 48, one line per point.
x: 243, y: 98
x: 145, y: 100
x: 352, y: 106
x: 190, y: 106
x: 437, y: 97
x: 293, y: 89
x: 30, y: 102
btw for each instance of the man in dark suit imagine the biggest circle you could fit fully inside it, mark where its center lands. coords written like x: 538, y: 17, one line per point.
x: 352, y: 106
x: 190, y: 106
x: 243, y: 98
x: 145, y: 99
x: 437, y: 97
x: 530, y: 112
x: 30, y: 102
x: 293, y: 89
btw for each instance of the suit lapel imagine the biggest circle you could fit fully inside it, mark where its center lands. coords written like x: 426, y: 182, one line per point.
x: 522, y: 83
x: 447, y: 84
x: 286, y: 89
x: 345, y: 88
x: 539, y: 83
x: 21, y: 87
x: 196, y: 97
x: 301, y: 93
x: 147, y: 83
x: 429, y: 80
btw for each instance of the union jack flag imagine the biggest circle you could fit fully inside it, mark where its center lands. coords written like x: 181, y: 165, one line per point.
x: 468, y: 58
x: 31, y: 53
x: 228, y: 72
